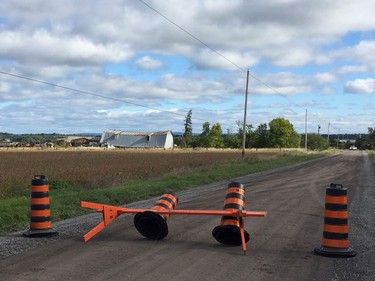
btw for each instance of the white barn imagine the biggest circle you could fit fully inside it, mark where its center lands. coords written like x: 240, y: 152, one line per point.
x: 116, y: 138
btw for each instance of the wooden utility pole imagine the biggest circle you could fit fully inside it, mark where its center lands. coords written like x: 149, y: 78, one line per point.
x: 244, y: 117
x: 306, y: 130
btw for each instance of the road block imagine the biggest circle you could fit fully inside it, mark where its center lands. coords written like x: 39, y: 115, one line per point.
x: 156, y: 217
x: 40, y: 214
x: 335, y: 241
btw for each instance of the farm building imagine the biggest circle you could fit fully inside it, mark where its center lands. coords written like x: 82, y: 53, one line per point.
x: 77, y: 141
x: 116, y: 138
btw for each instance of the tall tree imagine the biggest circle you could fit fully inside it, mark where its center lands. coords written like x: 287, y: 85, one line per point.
x: 262, y: 135
x: 204, y: 136
x: 231, y: 140
x: 282, y: 134
x: 315, y: 142
x: 188, y: 130
x: 216, y: 136
x: 371, y: 138
x: 250, y: 137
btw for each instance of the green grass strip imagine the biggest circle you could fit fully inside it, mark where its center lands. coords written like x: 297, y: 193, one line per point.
x: 371, y: 153
x: 65, y: 197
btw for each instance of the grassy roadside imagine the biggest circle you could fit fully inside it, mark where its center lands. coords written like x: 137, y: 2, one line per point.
x: 65, y: 197
x: 371, y: 153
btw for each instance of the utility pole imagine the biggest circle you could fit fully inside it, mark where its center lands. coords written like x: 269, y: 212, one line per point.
x: 244, y: 117
x: 328, y: 132
x: 306, y: 130
x: 318, y: 129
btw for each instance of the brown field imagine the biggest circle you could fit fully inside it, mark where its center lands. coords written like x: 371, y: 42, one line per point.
x: 104, y: 168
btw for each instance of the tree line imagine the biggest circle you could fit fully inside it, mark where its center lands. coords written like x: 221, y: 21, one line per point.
x: 278, y: 133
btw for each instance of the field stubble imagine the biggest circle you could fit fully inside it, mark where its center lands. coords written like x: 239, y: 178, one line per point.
x: 100, y: 169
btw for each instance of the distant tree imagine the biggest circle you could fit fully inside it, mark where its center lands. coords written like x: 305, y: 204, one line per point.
x: 231, y: 140
x: 262, y: 135
x: 371, y: 137
x: 315, y: 142
x: 295, y: 140
x: 282, y: 134
x: 216, y: 136
x: 188, y: 130
x: 250, y: 137
x: 205, y: 135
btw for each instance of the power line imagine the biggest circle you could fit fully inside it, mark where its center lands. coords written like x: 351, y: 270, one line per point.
x: 221, y: 55
x: 218, y: 53
x: 87, y: 93
x: 192, y: 35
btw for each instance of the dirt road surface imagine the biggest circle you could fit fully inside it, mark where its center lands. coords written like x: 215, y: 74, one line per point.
x: 280, y: 248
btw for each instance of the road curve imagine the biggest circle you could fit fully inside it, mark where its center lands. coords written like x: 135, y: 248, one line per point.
x: 280, y: 247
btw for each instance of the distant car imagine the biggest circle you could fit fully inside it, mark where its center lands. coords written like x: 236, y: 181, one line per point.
x: 353, y: 147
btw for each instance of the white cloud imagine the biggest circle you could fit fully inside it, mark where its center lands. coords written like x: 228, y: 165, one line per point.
x: 360, y: 86
x: 284, y: 42
x: 44, y: 48
x: 148, y: 63
x: 352, y: 69
x: 325, y: 78
x: 365, y: 51
x: 281, y: 83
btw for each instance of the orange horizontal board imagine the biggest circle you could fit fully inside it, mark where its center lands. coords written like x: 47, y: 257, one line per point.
x: 120, y: 210
x: 336, y: 214
x: 40, y: 201
x: 197, y: 212
x: 335, y: 243
x: 40, y: 225
x: 337, y: 200
x: 40, y: 188
x: 91, y: 205
x: 336, y: 228
x: 40, y: 213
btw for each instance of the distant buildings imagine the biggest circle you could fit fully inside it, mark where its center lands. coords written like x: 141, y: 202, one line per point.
x: 116, y: 138
x: 78, y: 141
x: 7, y: 143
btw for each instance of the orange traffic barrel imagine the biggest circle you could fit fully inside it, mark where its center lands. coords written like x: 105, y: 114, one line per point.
x: 228, y: 232
x: 335, y: 241
x: 153, y: 225
x: 40, y: 215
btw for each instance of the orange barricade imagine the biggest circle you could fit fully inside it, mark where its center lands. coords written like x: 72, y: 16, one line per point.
x: 335, y: 241
x: 153, y: 225
x: 40, y: 215
x: 230, y: 230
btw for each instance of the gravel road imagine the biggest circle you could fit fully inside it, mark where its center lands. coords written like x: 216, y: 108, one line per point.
x: 280, y: 248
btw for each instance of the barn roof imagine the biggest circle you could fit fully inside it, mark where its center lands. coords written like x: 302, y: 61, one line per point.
x: 118, y: 132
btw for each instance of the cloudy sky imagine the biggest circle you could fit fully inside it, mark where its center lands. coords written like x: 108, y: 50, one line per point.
x: 70, y: 66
